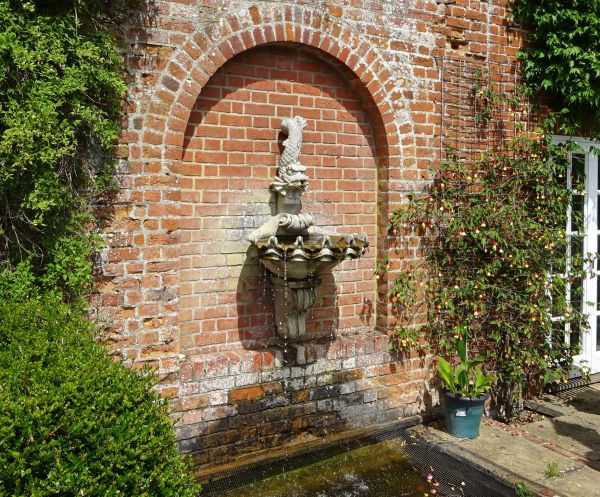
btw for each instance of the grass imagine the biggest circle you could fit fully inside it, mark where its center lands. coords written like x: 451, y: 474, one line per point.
x: 551, y: 470
x: 523, y: 490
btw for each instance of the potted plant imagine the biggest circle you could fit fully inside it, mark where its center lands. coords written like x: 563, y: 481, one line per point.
x: 466, y: 388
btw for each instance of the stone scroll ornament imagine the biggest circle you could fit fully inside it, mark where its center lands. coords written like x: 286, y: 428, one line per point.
x: 291, y: 175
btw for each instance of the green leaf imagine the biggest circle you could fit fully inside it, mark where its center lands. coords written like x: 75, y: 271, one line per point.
x: 446, y: 373
x: 461, y: 348
x: 461, y: 379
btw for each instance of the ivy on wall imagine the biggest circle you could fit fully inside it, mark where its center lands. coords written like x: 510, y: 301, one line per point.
x: 562, y: 59
x: 72, y: 420
x: 61, y: 87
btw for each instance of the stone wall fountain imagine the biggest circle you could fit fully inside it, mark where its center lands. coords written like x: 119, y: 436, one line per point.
x: 293, y: 250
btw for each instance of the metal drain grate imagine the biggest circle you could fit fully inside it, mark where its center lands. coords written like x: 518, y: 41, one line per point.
x: 576, y: 382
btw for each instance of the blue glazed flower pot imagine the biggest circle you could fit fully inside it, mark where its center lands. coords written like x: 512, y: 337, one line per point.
x: 463, y: 415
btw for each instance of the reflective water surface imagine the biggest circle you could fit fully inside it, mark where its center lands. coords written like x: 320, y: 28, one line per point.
x: 379, y: 470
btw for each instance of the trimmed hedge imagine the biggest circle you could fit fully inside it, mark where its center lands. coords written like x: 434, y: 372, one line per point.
x: 73, y: 422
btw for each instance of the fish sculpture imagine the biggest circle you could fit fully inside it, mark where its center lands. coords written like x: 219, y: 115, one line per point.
x: 291, y: 174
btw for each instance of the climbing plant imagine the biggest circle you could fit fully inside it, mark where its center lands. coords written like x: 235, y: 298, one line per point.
x: 61, y: 87
x: 492, y: 230
x: 562, y: 55
x: 73, y: 421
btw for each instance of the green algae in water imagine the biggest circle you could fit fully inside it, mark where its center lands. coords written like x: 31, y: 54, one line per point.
x: 379, y: 470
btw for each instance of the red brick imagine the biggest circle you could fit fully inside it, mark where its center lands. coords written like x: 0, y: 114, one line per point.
x: 248, y: 393
x: 185, y: 220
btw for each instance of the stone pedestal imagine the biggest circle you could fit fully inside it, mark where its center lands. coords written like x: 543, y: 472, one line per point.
x: 292, y: 300
x: 289, y: 203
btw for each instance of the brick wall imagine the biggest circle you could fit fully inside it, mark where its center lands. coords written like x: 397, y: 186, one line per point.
x: 177, y: 285
x: 229, y: 161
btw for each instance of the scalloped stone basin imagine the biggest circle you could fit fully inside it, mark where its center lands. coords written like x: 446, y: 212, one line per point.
x: 295, y: 264
x: 307, y: 257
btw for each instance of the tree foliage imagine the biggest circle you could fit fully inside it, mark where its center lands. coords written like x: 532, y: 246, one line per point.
x: 562, y: 57
x: 61, y: 88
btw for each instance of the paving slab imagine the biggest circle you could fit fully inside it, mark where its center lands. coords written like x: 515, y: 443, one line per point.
x: 569, y: 434
x: 574, y: 421
x: 567, y: 440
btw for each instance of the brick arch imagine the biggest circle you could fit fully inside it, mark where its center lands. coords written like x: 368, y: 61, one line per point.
x: 206, y: 51
x: 191, y: 66
x: 150, y: 321
x: 232, y: 143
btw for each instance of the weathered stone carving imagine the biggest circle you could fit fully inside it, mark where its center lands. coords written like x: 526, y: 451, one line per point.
x: 295, y: 223
x: 288, y: 245
x: 292, y: 300
x: 291, y: 176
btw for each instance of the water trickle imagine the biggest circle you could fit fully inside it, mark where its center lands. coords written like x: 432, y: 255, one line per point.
x: 264, y: 304
x: 262, y: 281
x: 335, y: 311
x: 286, y: 290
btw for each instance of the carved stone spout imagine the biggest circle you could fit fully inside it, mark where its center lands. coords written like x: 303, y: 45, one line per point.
x: 291, y: 179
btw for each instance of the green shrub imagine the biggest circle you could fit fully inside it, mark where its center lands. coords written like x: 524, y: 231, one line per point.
x: 562, y: 57
x: 73, y: 422
x: 61, y: 87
